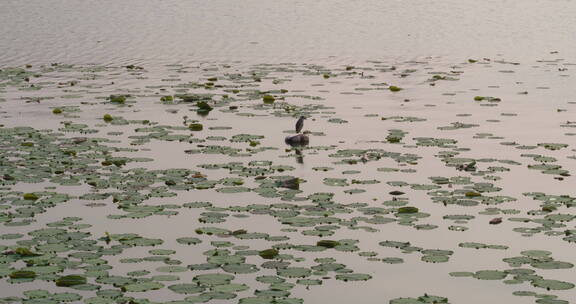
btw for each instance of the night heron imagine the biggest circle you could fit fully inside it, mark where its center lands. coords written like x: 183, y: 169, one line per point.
x: 300, y: 124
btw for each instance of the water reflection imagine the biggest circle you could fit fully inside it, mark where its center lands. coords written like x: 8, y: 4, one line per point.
x: 299, y: 156
x: 297, y: 142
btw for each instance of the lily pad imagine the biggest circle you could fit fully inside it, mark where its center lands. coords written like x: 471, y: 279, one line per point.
x: 70, y: 280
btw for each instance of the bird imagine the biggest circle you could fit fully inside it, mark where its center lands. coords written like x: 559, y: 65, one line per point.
x: 300, y: 124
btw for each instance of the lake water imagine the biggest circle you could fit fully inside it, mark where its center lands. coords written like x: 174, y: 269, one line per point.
x: 173, y: 31
x: 461, y: 109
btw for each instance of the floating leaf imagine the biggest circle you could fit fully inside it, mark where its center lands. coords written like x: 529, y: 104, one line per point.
x: 142, y: 286
x: 552, y: 284
x: 70, y: 280
x: 268, y: 253
x: 186, y: 288
x: 490, y: 275
x: 353, y: 277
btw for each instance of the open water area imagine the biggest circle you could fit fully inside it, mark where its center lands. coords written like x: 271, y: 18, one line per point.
x: 143, y: 154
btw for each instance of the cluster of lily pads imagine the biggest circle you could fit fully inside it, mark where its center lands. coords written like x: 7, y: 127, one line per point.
x: 539, y: 259
x: 101, y: 158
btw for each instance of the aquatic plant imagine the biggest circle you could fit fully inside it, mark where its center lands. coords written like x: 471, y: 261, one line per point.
x: 408, y: 209
x: 167, y: 98
x: 268, y: 99
x: 195, y: 127
x: 268, y: 253
x: 119, y: 99
x: 22, y: 274
x: 327, y: 243
x: 70, y: 280
x: 30, y: 196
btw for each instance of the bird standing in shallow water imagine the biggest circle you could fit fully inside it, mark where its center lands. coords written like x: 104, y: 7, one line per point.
x: 300, y: 124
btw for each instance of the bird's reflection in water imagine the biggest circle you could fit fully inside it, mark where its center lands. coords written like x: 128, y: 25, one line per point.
x: 299, y: 156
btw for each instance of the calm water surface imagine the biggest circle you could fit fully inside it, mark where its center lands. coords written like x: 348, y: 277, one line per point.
x: 108, y: 32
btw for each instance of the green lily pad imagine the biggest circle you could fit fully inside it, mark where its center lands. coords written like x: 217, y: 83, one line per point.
x: 294, y: 272
x: 240, y: 268
x: 186, y: 288
x: 551, y: 265
x: 552, y: 284
x: 142, y: 286
x: 407, y: 210
x: 490, y: 275
x: 268, y: 253
x: 461, y: 274
x: 353, y: 277
x: 188, y: 240
x: 327, y: 243
x: 70, y: 280
x: 536, y: 253
x: 435, y: 258
x: 231, y: 288
x: 66, y: 297
x: 213, y: 279
x: 98, y: 300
